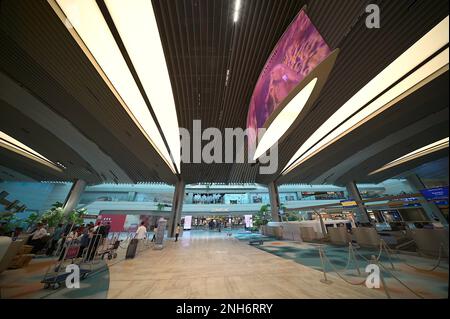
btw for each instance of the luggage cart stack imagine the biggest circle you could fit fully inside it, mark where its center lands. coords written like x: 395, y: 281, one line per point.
x: 56, y: 274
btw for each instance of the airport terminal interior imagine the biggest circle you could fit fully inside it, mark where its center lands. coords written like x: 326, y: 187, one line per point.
x: 224, y: 149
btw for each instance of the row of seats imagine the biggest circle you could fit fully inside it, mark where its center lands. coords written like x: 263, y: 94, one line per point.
x: 14, y: 253
x: 428, y: 241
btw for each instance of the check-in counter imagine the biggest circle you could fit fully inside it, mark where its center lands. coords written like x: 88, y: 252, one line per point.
x: 291, y: 231
x: 272, y: 231
x: 339, y: 235
x: 428, y: 241
x: 308, y: 233
x: 367, y: 237
x: 283, y: 230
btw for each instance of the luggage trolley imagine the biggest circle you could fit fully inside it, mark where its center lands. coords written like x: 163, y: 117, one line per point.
x: 56, y: 274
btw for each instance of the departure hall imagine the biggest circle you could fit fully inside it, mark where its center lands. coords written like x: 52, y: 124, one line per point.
x: 224, y: 149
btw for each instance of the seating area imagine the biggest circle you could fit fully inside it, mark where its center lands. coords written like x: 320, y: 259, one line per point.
x: 14, y: 253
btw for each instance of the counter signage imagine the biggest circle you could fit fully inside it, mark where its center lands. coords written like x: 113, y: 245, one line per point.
x: 435, y: 193
x: 349, y: 203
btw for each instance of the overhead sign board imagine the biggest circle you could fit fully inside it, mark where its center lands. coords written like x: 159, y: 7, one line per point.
x: 349, y: 203
x: 435, y: 193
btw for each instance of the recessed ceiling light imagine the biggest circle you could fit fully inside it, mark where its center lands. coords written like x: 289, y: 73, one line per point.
x: 237, y: 7
x: 347, y: 117
x: 16, y: 146
x: 90, y: 30
x: 431, y: 148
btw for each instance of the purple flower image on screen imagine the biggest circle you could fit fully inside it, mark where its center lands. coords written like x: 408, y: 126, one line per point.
x: 297, y: 53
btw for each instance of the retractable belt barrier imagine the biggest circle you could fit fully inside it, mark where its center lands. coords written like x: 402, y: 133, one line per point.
x: 383, y: 247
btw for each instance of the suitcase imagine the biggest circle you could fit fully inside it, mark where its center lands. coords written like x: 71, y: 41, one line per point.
x: 132, y: 247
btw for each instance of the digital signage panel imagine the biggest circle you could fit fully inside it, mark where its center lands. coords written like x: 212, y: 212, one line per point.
x: 435, y: 193
x: 297, y: 53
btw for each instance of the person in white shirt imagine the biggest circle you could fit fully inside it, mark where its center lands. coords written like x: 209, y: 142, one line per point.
x: 37, y: 238
x: 39, y: 233
x: 141, y: 232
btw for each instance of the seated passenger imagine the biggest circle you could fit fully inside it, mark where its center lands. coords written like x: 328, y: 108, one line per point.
x: 37, y: 238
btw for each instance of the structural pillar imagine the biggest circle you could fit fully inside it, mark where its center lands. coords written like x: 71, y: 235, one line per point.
x: 274, y: 201
x: 433, y: 212
x: 177, y: 207
x: 73, y: 198
x: 362, y: 215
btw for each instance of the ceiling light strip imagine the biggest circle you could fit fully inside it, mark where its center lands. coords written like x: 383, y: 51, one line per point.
x: 87, y: 26
x: 405, y: 64
x: 16, y: 146
x: 112, y: 27
x: 138, y: 31
x: 284, y: 119
x: 431, y: 148
x: 237, y: 7
x: 385, y: 101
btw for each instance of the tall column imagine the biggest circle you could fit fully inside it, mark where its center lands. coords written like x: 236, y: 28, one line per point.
x: 73, y: 197
x: 430, y: 208
x: 274, y: 201
x: 362, y: 215
x: 177, y: 207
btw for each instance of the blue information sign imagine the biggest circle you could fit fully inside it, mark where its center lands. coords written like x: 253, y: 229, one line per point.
x: 435, y: 193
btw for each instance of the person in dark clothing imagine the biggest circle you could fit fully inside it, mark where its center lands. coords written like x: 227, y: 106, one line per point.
x: 107, y: 229
x: 177, y: 232
x: 155, y: 230
x: 71, y: 236
x: 54, y: 240
x: 85, y: 240
x: 98, y: 234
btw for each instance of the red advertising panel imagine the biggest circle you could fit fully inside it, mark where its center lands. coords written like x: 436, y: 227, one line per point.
x: 116, y: 221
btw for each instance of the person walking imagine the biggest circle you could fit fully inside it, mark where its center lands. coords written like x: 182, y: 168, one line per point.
x: 155, y: 230
x: 177, y: 232
x: 141, y: 232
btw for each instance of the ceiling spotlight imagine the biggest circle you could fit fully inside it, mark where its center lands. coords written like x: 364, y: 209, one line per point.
x: 431, y: 148
x: 237, y: 7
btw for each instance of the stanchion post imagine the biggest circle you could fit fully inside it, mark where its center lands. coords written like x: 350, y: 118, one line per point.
x: 325, y: 278
x: 375, y: 262
x: 350, y: 247
x: 386, y: 249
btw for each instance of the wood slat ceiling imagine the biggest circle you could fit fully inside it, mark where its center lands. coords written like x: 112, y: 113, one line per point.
x: 202, y: 44
x: 38, y: 53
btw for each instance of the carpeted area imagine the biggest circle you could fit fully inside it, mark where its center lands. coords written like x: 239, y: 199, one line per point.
x: 427, y: 284
x: 26, y: 282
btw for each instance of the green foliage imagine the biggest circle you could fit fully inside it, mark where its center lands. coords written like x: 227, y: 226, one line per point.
x: 292, y: 216
x: 31, y: 219
x: 76, y: 216
x: 262, y: 217
x: 160, y: 206
x: 55, y: 215
x: 11, y: 222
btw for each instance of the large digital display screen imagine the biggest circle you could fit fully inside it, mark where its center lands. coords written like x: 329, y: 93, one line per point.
x: 297, y: 53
